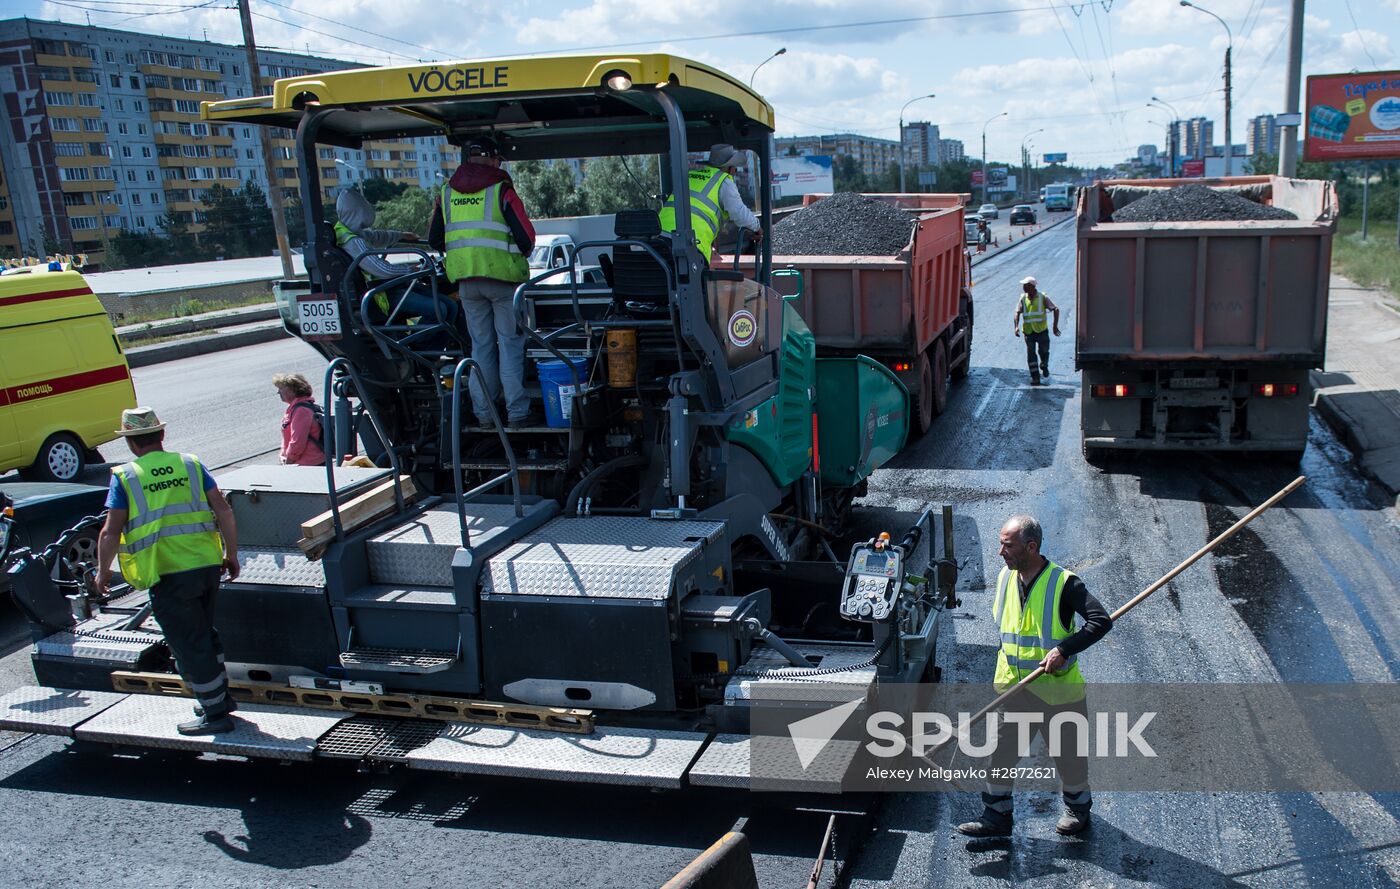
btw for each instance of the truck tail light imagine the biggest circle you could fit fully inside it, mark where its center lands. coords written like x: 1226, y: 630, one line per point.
x: 1275, y: 390
x: 902, y: 367
x: 1116, y: 390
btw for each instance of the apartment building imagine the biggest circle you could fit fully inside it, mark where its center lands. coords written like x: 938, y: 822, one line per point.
x: 1263, y: 135
x: 921, y: 143
x: 950, y: 150
x: 105, y: 135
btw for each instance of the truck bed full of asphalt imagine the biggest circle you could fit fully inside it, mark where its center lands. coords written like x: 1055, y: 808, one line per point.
x: 845, y: 224
x: 1194, y: 203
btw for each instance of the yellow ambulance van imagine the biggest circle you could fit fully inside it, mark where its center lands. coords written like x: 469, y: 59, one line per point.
x: 64, y: 381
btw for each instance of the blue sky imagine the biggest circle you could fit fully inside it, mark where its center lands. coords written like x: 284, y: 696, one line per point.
x: 1081, y: 74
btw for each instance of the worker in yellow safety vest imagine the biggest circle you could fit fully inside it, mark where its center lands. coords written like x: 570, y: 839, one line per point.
x: 1030, y: 321
x: 1035, y: 606
x: 173, y: 533
x: 481, y: 226
x: 713, y: 198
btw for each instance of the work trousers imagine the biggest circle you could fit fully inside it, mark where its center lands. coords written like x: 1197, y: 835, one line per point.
x: 1037, y: 342
x: 498, y: 346
x: 183, y: 605
x: 1071, y: 768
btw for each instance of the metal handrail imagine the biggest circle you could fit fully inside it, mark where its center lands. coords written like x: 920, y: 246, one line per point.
x: 380, y: 332
x: 522, y: 317
x: 513, y: 474
x: 332, y: 460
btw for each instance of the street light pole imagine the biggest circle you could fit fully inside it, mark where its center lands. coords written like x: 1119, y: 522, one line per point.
x: 1229, y: 47
x: 1171, y: 134
x: 901, y: 137
x: 764, y: 62
x: 984, y: 152
x: 1288, y: 140
x: 1026, y: 159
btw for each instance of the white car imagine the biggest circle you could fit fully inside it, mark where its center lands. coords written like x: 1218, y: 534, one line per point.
x: 588, y: 274
x: 989, y: 211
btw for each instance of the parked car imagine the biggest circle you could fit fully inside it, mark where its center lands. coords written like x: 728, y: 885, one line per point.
x: 1022, y: 214
x: 989, y: 211
x: 36, y: 513
x: 588, y: 274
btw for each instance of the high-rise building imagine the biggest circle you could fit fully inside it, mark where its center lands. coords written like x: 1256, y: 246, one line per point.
x: 921, y: 142
x: 1263, y: 135
x: 872, y: 155
x: 950, y: 150
x: 1147, y: 156
x: 105, y: 135
x: 1194, y: 138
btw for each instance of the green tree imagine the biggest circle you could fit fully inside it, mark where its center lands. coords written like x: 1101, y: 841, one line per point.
x: 847, y: 174
x: 375, y: 189
x: 547, y: 190
x: 408, y: 211
x: 611, y: 184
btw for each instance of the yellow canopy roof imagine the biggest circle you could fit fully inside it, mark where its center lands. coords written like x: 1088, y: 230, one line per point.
x: 537, y: 107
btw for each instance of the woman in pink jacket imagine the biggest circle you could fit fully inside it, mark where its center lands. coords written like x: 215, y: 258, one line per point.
x: 301, y: 424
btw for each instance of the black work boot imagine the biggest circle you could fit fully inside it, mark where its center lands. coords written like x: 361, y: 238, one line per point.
x: 989, y: 824
x: 1035, y: 379
x: 206, y: 725
x: 1072, y: 822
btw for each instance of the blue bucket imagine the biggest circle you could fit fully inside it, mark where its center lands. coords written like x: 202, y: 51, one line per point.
x: 558, y: 388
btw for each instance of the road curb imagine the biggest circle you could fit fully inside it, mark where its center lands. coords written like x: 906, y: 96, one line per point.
x: 1366, y: 426
x: 978, y: 260
x: 134, y: 333
x: 250, y: 335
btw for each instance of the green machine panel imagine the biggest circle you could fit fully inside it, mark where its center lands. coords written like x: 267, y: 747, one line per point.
x: 862, y: 418
x: 779, y: 431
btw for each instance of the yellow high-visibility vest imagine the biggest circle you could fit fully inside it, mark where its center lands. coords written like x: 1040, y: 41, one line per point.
x: 478, y: 240
x: 706, y: 214
x: 1033, y: 314
x: 1028, y: 634
x: 169, y: 526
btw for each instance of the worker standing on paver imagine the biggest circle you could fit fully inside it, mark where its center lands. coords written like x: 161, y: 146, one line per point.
x: 713, y: 198
x: 173, y: 533
x: 1035, y: 606
x: 481, y: 226
x: 1030, y: 322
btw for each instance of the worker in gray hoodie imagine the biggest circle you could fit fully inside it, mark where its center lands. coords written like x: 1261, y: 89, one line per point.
x: 354, y: 235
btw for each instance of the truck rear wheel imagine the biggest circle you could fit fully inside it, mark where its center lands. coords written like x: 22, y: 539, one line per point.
x: 940, y: 377
x: 965, y: 366
x: 923, y: 399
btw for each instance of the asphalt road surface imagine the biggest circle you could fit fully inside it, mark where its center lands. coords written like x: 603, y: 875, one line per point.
x: 1306, y: 593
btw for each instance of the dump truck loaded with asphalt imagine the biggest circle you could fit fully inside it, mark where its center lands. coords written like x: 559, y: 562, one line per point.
x: 1201, y: 309
x: 633, y: 570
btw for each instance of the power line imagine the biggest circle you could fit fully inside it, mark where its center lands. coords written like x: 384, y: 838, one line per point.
x: 438, y: 53
x: 379, y: 49
x: 1359, y: 36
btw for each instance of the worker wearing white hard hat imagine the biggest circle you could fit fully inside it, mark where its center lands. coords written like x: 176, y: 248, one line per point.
x: 1030, y: 320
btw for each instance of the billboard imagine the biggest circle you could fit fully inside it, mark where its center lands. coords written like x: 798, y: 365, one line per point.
x: 1193, y: 169
x: 976, y: 177
x: 1057, y: 158
x: 1353, y: 116
x: 996, y: 178
x: 809, y: 174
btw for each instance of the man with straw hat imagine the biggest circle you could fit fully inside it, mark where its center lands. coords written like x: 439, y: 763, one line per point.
x: 173, y: 533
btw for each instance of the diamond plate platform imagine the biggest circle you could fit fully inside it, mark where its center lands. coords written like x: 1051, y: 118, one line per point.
x: 637, y: 757
x: 262, y: 731
x: 738, y: 762
x: 795, y: 683
x: 52, y: 711
x: 419, y: 552
x: 103, y: 644
x: 279, y: 566
x: 600, y: 557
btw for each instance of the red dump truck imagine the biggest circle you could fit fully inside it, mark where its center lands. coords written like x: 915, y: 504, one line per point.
x: 1200, y: 335
x: 912, y: 311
